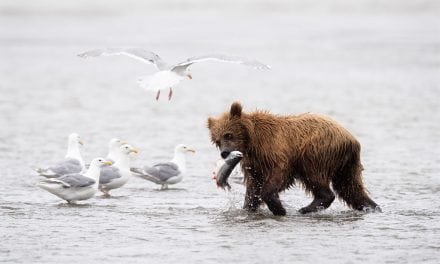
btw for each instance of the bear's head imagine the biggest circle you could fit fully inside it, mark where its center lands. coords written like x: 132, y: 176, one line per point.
x: 231, y: 131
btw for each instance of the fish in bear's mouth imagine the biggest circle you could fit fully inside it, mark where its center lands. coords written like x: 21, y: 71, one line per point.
x: 230, y: 162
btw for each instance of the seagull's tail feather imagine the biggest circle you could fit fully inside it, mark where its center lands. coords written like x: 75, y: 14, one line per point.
x: 46, y: 173
x: 148, y: 178
x: 142, y: 174
x: 43, y: 185
x: 136, y: 170
x: 50, y: 184
x: 144, y: 82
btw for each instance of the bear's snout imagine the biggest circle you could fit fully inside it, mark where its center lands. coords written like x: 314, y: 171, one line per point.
x: 224, y: 154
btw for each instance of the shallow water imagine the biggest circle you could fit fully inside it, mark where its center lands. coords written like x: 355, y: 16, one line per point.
x: 373, y: 66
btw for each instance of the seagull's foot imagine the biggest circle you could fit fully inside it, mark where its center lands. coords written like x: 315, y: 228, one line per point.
x: 170, y: 94
x: 157, y: 95
x: 164, y: 187
x: 105, y: 192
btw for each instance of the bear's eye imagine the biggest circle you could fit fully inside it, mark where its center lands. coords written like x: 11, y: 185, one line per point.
x: 227, y: 136
x: 217, y: 142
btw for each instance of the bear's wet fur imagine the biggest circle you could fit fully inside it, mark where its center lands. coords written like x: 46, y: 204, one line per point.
x: 280, y: 151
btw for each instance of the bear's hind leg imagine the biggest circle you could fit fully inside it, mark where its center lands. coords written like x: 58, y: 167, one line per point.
x: 348, y: 184
x: 323, y: 198
x: 273, y: 202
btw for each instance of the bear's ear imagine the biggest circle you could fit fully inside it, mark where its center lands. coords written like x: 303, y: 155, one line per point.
x: 236, y: 110
x: 211, y: 122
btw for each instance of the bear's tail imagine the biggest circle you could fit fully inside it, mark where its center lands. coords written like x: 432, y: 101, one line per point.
x: 348, y: 184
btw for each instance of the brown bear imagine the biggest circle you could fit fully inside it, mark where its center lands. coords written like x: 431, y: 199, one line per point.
x: 280, y: 151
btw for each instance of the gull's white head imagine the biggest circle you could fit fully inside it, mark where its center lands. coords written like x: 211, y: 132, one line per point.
x: 115, y: 143
x: 114, y: 151
x: 75, y: 139
x: 126, y: 149
x: 181, y: 148
x: 100, y: 162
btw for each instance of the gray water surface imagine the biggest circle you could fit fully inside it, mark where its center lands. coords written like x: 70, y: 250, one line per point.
x: 374, y: 66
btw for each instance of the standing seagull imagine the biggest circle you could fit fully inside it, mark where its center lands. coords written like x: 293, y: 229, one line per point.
x: 75, y: 187
x: 168, y: 75
x: 166, y: 173
x: 118, y: 174
x: 72, y: 162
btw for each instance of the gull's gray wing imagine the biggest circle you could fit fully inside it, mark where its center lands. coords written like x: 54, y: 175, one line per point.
x: 108, y: 173
x: 64, y: 167
x: 135, y: 53
x: 67, y: 166
x: 222, y: 58
x: 73, y: 180
x: 163, y: 171
x: 140, y: 173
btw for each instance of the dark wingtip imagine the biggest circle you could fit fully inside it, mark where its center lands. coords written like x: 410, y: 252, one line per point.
x: 135, y: 170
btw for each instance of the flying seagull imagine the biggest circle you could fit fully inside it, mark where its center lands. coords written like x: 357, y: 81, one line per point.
x: 168, y: 75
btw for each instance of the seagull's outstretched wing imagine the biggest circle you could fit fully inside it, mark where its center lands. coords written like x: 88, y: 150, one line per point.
x: 135, y: 53
x: 222, y: 58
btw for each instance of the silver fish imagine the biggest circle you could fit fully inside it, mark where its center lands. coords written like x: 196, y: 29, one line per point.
x: 224, y: 171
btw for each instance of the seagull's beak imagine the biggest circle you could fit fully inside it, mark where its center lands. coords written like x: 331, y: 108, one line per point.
x: 81, y: 142
x: 191, y: 150
x: 133, y: 150
x: 189, y: 76
x: 108, y: 163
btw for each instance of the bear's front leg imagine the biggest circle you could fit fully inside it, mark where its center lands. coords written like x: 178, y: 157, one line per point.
x: 252, y: 199
x: 269, y: 194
